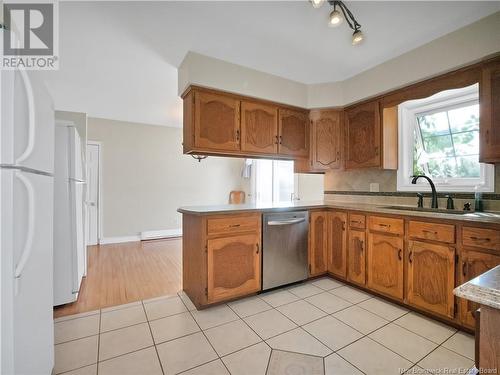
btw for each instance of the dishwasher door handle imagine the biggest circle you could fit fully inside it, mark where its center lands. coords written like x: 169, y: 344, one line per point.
x: 285, y: 222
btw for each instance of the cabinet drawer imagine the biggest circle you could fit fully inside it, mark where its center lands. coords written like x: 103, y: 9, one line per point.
x: 386, y: 224
x: 481, y: 237
x: 432, y: 231
x: 233, y: 224
x: 357, y: 221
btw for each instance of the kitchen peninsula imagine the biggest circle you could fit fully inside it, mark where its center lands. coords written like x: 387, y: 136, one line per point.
x: 412, y: 257
x: 485, y: 291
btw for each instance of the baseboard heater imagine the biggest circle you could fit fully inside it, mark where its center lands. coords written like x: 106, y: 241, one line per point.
x: 158, y: 234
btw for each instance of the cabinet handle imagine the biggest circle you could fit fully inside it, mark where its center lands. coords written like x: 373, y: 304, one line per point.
x: 338, y: 155
x: 361, y: 245
x: 237, y: 135
x: 343, y: 225
x: 234, y: 225
x: 277, y: 139
x: 376, y: 151
x: 487, y: 136
x: 384, y: 225
x: 400, y: 254
x: 464, y: 268
x: 410, y: 257
x: 281, y: 139
x: 355, y: 222
x: 258, y: 248
x: 430, y: 231
x: 485, y: 239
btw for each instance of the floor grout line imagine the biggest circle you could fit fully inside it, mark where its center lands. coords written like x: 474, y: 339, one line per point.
x: 153, y: 339
x: 262, y: 340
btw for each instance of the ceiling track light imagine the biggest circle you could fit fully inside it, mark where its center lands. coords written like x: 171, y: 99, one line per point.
x: 337, y: 17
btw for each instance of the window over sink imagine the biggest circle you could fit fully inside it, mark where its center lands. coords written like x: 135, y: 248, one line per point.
x: 439, y: 138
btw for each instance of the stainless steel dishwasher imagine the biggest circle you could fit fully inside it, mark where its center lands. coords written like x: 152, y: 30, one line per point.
x: 285, y: 237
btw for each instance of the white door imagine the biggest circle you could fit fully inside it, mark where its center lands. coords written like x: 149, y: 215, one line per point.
x: 93, y: 151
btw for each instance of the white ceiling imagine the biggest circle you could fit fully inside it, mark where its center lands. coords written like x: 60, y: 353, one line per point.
x: 118, y: 59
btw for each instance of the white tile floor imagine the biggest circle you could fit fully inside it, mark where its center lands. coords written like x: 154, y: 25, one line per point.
x: 318, y: 327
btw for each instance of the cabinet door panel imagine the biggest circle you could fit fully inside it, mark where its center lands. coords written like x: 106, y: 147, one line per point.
x: 326, y: 139
x: 431, y: 277
x: 337, y: 236
x: 474, y: 263
x: 318, y: 243
x: 356, y: 269
x: 293, y: 133
x: 363, y: 136
x: 385, y: 264
x: 233, y: 266
x: 259, y: 128
x: 489, y: 129
x: 217, y: 123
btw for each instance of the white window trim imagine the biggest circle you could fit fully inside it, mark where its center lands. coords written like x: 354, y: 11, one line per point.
x: 407, y: 121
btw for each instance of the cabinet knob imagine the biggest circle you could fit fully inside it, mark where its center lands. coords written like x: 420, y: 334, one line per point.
x: 410, y: 257
x: 464, y: 269
x: 258, y: 248
x: 237, y: 135
x: 400, y: 254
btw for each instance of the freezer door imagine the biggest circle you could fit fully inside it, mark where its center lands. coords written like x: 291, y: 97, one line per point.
x: 28, y: 270
x: 27, y: 127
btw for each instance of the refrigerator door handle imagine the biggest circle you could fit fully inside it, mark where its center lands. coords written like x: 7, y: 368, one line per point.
x: 28, y: 245
x: 31, y: 118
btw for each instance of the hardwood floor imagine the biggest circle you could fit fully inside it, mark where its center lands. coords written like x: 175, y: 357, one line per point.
x: 128, y: 272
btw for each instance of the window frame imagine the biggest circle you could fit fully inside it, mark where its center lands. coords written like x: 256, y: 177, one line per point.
x: 407, y: 123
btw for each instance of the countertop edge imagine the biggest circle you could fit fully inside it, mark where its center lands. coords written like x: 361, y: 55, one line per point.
x: 483, y: 296
x: 378, y: 209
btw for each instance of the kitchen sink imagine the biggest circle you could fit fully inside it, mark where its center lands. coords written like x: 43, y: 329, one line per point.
x: 433, y: 210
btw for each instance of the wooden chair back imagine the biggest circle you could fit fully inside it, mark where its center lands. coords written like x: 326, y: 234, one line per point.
x: 236, y: 197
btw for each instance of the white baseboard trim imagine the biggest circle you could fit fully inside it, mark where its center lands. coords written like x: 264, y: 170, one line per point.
x: 157, y: 234
x: 108, y: 240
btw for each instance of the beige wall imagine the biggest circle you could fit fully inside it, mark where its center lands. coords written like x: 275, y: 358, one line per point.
x: 145, y: 177
x: 461, y: 47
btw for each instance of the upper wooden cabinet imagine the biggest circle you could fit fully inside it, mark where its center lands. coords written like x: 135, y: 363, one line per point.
x: 337, y: 247
x: 259, y: 128
x: 216, y: 122
x: 489, y: 127
x: 431, y: 277
x: 318, y: 243
x: 293, y: 133
x: 326, y: 139
x: 363, y: 136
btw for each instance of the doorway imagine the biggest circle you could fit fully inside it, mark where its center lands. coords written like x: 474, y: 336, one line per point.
x: 93, y: 193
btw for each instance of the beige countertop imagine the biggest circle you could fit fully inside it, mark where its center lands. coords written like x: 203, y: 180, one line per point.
x: 479, y: 217
x: 484, y: 289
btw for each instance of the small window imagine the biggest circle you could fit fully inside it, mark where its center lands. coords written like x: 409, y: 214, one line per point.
x: 273, y: 181
x: 439, y: 137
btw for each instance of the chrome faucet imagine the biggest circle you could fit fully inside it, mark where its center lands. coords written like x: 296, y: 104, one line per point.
x: 434, y: 203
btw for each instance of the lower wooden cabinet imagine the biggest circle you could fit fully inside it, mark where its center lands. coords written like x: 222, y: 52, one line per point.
x: 385, y: 264
x: 234, y: 266
x: 473, y: 264
x: 318, y: 243
x: 431, y: 277
x: 356, y: 255
x: 337, y: 247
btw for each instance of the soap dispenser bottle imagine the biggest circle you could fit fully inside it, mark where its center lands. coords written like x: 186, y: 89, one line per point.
x: 478, y: 200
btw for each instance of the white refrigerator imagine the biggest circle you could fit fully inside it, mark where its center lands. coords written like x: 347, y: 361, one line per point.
x: 26, y: 224
x: 69, y: 230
